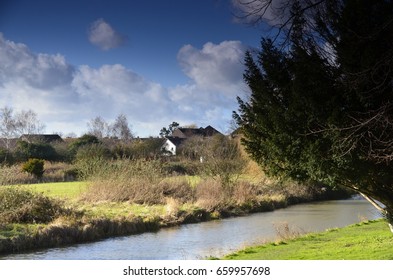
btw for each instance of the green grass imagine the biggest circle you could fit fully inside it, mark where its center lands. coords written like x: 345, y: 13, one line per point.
x: 17, y: 230
x: 68, y: 190
x: 365, y: 241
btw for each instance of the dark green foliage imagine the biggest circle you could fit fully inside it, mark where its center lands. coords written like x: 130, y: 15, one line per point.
x: 34, y: 166
x: 93, y: 151
x: 26, y: 150
x: 22, y: 206
x: 5, y: 156
x: 82, y: 141
x: 168, y: 131
x: 139, y: 149
x: 325, y: 116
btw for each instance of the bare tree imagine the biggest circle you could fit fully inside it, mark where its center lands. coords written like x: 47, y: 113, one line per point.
x: 98, y: 127
x: 279, y: 14
x: 121, y: 129
x: 28, y: 123
x: 13, y: 125
x: 8, y: 127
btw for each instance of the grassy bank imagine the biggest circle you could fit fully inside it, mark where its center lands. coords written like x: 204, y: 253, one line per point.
x: 370, y: 240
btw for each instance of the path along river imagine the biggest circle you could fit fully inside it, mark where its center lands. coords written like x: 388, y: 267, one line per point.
x: 214, y: 238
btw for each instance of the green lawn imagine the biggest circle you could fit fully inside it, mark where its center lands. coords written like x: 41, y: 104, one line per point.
x: 365, y: 241
x: 60, y: 190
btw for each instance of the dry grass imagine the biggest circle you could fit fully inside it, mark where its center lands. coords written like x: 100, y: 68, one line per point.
x: 172, y: 207
x: 53, y: 172
x: 137, y: 181
x: 210, y: 195
x: 285, y: 232
x: 13, y: 175
x: 245, y: 192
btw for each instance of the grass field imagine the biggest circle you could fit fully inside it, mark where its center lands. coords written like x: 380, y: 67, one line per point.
x: 68, y: 190
x: 365, y: 241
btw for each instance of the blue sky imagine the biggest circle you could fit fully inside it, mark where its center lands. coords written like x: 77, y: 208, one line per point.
x: 154, y: 61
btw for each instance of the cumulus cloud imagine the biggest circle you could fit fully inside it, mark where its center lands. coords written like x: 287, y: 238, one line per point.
x: 113, y: 88
x: 33, y: 81
x: 66, y: 97
x: 215, y: 67
x: 38, y: 70
x: 104, y: 36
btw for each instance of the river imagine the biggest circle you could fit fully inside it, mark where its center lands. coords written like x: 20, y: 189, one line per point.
x: 213, y: 238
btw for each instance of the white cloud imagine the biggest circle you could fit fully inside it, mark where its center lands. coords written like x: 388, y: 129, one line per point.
x: 111, y: 89
x: 66, y: 97
x: 41, y: 71
x: 215, y: 67
x: 104, y: 36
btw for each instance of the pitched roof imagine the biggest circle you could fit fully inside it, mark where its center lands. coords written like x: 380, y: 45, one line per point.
x: 175, y: 140
x: 185, y: 132
x: 45, y: 138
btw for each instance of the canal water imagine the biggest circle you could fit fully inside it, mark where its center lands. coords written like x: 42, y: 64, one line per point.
x: 214, y: 238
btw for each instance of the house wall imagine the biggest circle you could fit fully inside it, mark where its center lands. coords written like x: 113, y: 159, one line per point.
x: 169, y: 147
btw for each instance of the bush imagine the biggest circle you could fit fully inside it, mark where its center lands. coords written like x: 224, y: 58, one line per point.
x: 85, y: 140
x: 5, y: 156
x: 18, y: 205
x: 35, y: 167
x: 139, y: 149
x: 25, y: 150
x: 221, y: 157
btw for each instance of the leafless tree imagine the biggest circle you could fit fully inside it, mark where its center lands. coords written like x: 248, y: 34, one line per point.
x: 121, y: 129
x: 14, y: 125
x: 28, y: 122
x: 98, y: 127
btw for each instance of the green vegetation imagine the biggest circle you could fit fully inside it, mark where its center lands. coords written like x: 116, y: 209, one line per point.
x: 319, y: 113
x: 369, y: 240
x: 69, y: 190
x: 35, y: 167
x: 19, y: 205
x: 128, y: 187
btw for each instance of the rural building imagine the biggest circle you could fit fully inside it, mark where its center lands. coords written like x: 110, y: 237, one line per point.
x: 180, y: 134
x: 41, y: 138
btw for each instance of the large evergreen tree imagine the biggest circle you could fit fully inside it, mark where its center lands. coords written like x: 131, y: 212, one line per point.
x: 321, y: 104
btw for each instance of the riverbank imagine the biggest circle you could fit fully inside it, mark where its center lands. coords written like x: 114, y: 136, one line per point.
x: 369, y: 240
x: 87, y: 222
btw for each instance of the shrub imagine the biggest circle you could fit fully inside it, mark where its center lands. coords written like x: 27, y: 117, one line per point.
x: 138, y: 149
x: 221, y: 157
x: 92, y: 161
x: 18, y: 205
x: 34, y: 166
x: 25, y: 150
x: 5, y: 156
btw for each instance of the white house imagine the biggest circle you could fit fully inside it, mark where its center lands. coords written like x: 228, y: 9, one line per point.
x: 170, y: 145
x: 180, y: 134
